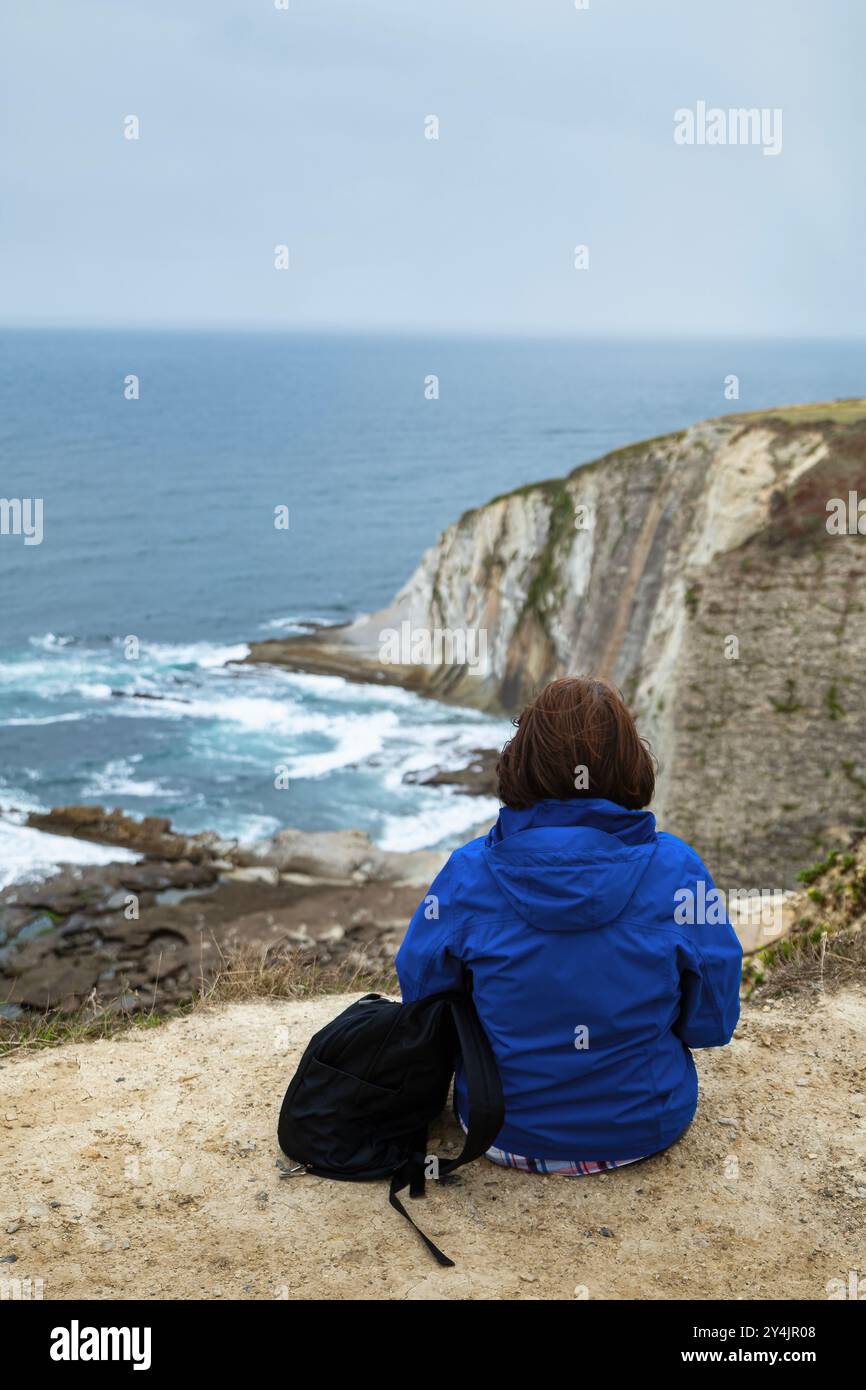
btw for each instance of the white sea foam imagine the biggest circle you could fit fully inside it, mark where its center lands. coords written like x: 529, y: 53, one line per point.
x: 62, y: 673
x: 445, y: 746
x: 295, y: 624
x: 118, y: 779
x: 15, y: 804
x: 50, y: 642
x: 28, y: 854
x: 448, y: 818
x: 254, y: 713
x: 338, y: 688
x: 70, y: 718
x: 248, y: 829
x: 93, y: 690
x: 355, y: 741
x: 252, y: 716
x: 204, y: 655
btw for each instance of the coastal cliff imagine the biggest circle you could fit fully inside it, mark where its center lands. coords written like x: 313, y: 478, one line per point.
x: 696, y: 571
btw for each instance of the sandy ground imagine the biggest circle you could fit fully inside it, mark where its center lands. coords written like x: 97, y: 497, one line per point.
x: 144, y: 1167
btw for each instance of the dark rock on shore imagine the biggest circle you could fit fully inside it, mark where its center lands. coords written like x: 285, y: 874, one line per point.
x: 478, y: 778
x: 153, y: 836
x: 173, y: 949
x: 149, y: 935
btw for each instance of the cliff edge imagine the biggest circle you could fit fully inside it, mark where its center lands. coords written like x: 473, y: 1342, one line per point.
x: 144, y: 1166
x: 699, y: 572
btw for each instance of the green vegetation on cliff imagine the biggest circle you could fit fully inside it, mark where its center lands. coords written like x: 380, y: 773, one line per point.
x: 827, y: 945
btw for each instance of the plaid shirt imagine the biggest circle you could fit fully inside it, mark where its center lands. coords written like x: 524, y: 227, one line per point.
x: 573, y: 1168
x: 570, y: 1167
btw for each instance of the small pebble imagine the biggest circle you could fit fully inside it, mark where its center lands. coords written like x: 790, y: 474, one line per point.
x: 604, y: 1231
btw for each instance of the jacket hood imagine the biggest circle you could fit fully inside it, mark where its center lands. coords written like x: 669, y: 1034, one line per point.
x: 570, y: 865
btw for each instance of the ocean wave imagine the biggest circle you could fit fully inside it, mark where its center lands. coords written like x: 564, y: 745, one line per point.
x: 446, y: 746
x: 93, y: 690
x: 16, y: 804
x: 355, y: 741
x: 118, y: 779
x: 58, y: 674
x: 256, y: 714
x: 24, y: 721
x: 69, y: 666
x: 296, y: 624
x: 338, y: 688
x: 50, y: 641
x: 447, y: 819
x: 248, y: 829
x: 211, y: 725
x: 204, y: 655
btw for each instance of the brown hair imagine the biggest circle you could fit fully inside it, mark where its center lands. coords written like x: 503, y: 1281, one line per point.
x: 576, y: 722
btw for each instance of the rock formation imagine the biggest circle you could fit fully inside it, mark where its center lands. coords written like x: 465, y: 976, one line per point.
x: 700, y: 573
x: 151, y: 934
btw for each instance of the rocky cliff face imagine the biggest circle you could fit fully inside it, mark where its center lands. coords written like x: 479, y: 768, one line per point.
x: 698, y: 573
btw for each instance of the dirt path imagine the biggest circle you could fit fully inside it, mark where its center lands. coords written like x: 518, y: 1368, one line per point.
x: 144, y: 1167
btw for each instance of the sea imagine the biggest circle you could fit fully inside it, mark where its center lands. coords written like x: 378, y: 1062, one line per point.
x: 160, y: 460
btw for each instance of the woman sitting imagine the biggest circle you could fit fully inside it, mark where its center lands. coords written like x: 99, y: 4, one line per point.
x: 591, y: 977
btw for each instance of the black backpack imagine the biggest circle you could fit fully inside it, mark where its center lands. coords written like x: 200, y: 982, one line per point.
x: 370, y: 1083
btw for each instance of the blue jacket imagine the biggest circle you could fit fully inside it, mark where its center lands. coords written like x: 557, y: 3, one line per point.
x: 588, y: 977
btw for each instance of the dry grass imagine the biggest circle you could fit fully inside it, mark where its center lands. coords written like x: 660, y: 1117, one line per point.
x: 827, y: 947
x: 249, y: 975
x: 52, y: 1028
x: 834, y: 959
x: 289, y: 975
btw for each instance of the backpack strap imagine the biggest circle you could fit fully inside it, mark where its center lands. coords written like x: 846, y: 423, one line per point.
x: 486, y: 1102
x: 411, y: 1175
x: 486, y: 1114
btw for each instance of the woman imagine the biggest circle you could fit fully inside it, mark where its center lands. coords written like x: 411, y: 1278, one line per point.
x: 571, y: 918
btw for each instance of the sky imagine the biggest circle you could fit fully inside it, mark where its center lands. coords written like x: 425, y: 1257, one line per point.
x: 305, y: 127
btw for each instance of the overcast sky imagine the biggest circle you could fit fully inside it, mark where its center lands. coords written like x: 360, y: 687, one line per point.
x: 305, y: 127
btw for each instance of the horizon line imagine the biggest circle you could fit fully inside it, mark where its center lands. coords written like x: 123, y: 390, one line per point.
x: 396, y: 331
